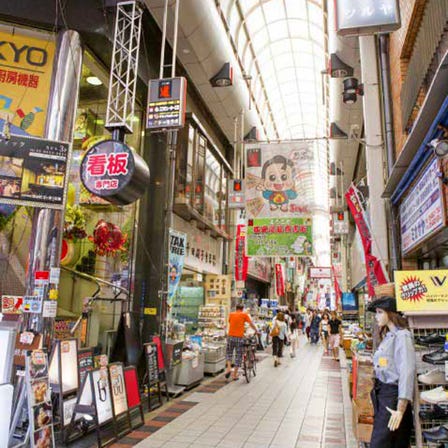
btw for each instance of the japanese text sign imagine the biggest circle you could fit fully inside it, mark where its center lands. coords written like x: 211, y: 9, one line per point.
x: 422, y: 211
x: 354, y: 17
x: 166, y: 103
x: 26, y: 65
x: 269, y: 237
x: 33, y: 171
x: 421, y: 290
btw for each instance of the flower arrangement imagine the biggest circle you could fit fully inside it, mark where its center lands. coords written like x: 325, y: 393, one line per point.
x: 108, y: 239
x: 75, y: 223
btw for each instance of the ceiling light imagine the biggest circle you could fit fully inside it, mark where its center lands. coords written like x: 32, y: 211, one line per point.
x: 338, y: 68
x: 224, y: 78
x: 94, y: 80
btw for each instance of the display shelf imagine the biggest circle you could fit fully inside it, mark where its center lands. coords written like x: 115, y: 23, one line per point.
x: 423, y: 324
x: 212, y: 321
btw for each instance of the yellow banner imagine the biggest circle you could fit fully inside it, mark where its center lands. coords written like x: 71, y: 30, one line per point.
x: 422, y: 290
x: 26, y: 65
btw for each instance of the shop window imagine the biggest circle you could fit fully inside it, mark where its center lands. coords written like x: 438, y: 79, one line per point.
x: 201, y: 178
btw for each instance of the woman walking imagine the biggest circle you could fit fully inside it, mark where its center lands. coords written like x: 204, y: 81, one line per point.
x: 324, y: 325
x: 294, y: 336
x: 278, y: 334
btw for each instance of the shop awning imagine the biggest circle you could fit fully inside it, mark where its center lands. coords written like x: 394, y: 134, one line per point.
x: 414, y: 153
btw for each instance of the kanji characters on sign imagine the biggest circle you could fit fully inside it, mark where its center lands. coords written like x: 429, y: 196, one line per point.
x: 113, y: 164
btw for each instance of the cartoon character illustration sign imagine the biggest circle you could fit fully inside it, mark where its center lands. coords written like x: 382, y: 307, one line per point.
x: 278, y: 182
x: 277, y: 176
x: 178, y: 244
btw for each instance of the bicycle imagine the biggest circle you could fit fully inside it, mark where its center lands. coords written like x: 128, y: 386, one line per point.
x: 249, y: 363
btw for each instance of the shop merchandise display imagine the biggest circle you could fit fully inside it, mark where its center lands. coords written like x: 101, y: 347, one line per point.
x: 212, y: 322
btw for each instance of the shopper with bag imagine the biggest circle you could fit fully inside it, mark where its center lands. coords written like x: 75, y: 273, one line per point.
x: 294, y: 336
x: 278, y: 334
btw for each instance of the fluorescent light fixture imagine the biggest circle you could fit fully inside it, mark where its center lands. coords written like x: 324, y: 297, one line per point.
x: 94, y: 80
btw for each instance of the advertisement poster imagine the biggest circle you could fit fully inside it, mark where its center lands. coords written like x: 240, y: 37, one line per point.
x: 26, y: 68
x: 117, y: 384
x: 33, y: 171
x: 241, y: 260
x: 422, y: 290
x: 271, y: 237
x: 276, y: 179
x: 320, y: 272
x: 280, y: 279
x: 12, y: 304
x: 69, y: 364
x: 85, y: 363
x: 422, y: 210
x: 218, y: 286
x: 40, y: 409
x: 103, y: 398
x: 178, y: 244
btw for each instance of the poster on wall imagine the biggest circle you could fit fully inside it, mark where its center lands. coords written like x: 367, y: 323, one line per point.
x: 26, y: 68
x: 421, y: 290
x: 271, y: 237
x: 177, y: 250
x: 118, y: 388
x: 33, y: 171
x: 276, y: 179
x: 422, y: 211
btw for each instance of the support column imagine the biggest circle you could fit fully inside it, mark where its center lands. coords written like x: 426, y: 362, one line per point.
x: 47, y: 225
x: 375, y: 147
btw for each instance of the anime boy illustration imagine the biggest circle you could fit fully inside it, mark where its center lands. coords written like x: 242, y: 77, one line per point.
x: 278, y: 183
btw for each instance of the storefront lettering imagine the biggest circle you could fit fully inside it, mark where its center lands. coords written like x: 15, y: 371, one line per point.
x: 35, y: 56
x: 113, y: 164
x: 177, y: 245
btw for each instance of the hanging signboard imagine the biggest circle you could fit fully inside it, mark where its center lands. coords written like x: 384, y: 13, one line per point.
x: 177, y: 250
x: 241, y: 260
x: 277, y: 178
x: 340, y: 222
x: 355, y: 17
x: 421, y: 290
x: 112, y: 171
x: 422, y: 211
x: 167, y: 99
x: 285, y: 237
x: 218, y: 286
x: 26, y: 68
x: 280, y: 279
x: 117, y: 384
x: 320, y: 272
x: 33, y: 171
x: 236, y: 193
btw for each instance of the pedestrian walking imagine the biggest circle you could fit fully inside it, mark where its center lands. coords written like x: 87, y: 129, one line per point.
x: 294, y: 336
x: 335, y: 335
x: 324, y: 331
x: 307, y: 318
x: 278, y: 334
x: 314, y: 327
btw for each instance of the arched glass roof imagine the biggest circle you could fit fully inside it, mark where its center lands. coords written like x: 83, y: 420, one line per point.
x: 280, y: 44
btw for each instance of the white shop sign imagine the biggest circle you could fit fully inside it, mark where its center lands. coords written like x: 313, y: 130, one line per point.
x: 421, y: 211
x: 203, y: 253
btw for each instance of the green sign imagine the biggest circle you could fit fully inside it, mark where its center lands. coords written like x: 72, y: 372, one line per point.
x: 280, y: 237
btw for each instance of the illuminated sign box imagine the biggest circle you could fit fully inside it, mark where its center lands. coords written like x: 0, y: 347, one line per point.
x: 356, y: 17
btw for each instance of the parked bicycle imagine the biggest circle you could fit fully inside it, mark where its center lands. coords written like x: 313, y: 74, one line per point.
x: 249, y: 363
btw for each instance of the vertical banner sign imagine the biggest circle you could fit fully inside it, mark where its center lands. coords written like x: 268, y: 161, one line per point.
x: 241, y: 261
x: 277, y: 196
x: 178, y: 243
x: 279, y: 280
x: 374, y: 271
x: 26, y: 66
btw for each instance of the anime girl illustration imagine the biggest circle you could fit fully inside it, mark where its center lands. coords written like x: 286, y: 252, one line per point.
x: 277, y: 182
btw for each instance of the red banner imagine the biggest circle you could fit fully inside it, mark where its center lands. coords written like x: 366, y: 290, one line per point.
x: 374, y: 270
x: 279, y: 280
x: 241, y: 261
x: 337, y: 288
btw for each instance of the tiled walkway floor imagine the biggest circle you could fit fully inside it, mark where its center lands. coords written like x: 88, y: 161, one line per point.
x: 301, y: 404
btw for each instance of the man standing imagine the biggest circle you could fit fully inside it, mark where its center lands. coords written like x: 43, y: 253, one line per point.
x: 235, y: 339
x: 335, y: 335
